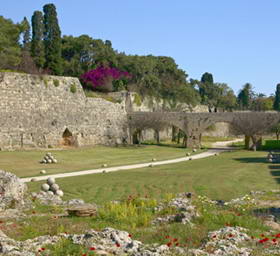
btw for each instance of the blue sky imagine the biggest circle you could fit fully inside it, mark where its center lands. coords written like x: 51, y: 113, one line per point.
x: 238, y: 41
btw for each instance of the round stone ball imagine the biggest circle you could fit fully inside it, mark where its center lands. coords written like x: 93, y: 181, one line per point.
x: 33, y: 180
x: 33, y: 194
x: 48, y: 154
x: 43, y: 171
x: 194, y: 150
x: 270, y: 160
x: 104, y: 171
x: 104, y: 165
x: 50, y: 193
x: 54, y: 161
x: 45, y: 187
x: 59, y: 193
x: 44, y: 161
x: 50, y: 181
x: 154, y: 159
x: 151, y: 165
x: 54, y: 187
x: 188, y: 154
x: 49, y: 161
x: 190, y: 158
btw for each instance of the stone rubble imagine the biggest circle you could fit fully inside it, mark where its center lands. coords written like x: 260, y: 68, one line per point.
x: 182, y: 204
x: 12, y: 191
x: 224, y: 242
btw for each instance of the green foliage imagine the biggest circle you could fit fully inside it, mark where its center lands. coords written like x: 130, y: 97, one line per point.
x: 66, y: 248
x: 276, y: 103
x: 52, y: 40
x: 73, y: 88
x: 37, y: 45
x: 137, y: 99
x: 9, y: 44
x: 135, y: 212
x: 272, y: 144
x: 56, y: 82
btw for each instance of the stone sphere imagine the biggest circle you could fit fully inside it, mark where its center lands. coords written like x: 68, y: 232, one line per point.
x: 54, y: 187
x: 194, y: 150
x: 44, y: 161
x: 59, y: 193
x: 188, y: 154
x: 48, y: 154
x: 190, y: 158
x: 49, y: 161
x: 33, y: 180
x: 270, y: 160
x: 50, y: 193
x: 50, y: 181
x: 154, y: 159
x: 45, y: 187
x: 104, y: 165
x: 104, y: 171
x: 33, y: 194
x: 43, y: 171
x: 54, y: 161
x: 151, y: 165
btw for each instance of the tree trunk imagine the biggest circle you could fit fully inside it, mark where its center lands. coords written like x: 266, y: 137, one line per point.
x: 247, y: 142
x: 157, y: 136
x: 185, y: 141
x: 257, y: 142
x: 178, y: 137
x: 277, y: 136
x: 174, y: 133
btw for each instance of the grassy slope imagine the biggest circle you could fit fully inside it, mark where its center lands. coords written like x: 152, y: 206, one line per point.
x: 226, y: 176
x: 26, y: 163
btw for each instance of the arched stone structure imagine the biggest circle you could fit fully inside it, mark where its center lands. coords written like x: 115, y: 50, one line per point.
x: 193, y: 124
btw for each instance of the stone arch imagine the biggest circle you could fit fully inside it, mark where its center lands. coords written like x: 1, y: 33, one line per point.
x: 67, y: 138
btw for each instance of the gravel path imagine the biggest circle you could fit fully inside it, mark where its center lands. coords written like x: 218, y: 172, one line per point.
x: 217, y: 147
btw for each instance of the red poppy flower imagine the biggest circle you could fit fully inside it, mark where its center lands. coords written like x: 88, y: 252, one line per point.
x: 118, y: 245
x: 277, y: 235
x: 230, y: 235
x: 167, y: 237
x: 129, y: 235
x: 43, y: 249
x: 214, y: 236
x: 92, y: 248
x: 175, y: 240
x: 274, y: 240
x: 177, y: 244
x: 169, y: 244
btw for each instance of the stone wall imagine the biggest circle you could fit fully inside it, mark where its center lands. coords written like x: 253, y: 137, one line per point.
x: 50, y: 111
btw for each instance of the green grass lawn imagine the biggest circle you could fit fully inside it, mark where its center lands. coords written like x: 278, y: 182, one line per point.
x: 26, y: 163
x: 226, y: 176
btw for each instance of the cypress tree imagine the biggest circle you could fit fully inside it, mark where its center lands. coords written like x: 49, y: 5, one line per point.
x: 52, y: 40
x: 276, y: 103
x: 37, y: 45
x: 26, y: 34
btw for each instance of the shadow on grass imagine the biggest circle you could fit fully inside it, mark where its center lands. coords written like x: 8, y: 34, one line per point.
x: 163, y: 145
x: 251, y: 160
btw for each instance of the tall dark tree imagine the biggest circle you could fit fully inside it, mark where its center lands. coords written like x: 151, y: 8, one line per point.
x: 276, y: 103
x: 37, y: 45
x: 245, y: 96
x: 26, y: 34
x: 205, y: 83
x: 52, y: 40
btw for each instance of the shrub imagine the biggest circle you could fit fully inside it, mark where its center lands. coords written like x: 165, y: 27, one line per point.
x: 56, y: 82
x: 73, y: 88
x: 272, y: 144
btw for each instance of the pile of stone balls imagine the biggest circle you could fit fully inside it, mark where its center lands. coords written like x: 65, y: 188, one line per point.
x: 273, y: 157
x: 48, y: 159
x: 51, y: 188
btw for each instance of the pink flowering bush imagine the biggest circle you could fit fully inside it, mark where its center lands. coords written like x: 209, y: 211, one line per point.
x: 103, y: 77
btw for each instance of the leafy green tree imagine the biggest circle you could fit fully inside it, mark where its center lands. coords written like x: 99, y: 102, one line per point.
x: 245, y: 97
x: 37, y: 45
x: 9, y: 44
x: 276, y: 103
x: 206, y: 89
x: 52, y: 40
